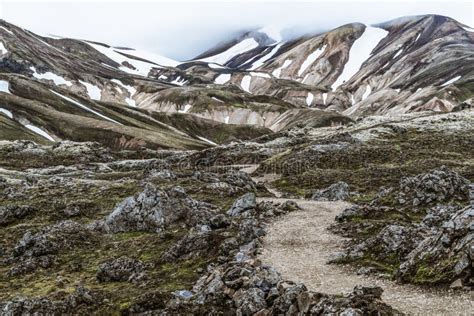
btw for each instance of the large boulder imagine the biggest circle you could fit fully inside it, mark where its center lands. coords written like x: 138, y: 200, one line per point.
x: 40, y: 249
x: 154, y: 209
x: 244, y: 203
x: 78, y: 302
x: 249, y: 301
x: 11, y: 213
x: 121, y: 269
x: 51, y: 240
x: 335, y: 192
x: 446, y: 255
x: 438, y: 185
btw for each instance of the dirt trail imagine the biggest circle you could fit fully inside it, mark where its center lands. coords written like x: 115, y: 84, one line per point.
x: 299, y: 244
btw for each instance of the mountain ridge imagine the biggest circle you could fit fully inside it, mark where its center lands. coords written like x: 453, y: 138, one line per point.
x: 244, y: 81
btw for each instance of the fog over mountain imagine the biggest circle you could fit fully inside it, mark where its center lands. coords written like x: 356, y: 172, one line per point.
x: 154, y: 26
x: 227, y: 158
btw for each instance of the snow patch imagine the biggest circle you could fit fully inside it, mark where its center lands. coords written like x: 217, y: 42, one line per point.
x: 215, y: 66
x: 360, y: 52
x: 222, y: 78
x: 226, y: 119
x: 260, y: 74
x: 93, y: 91
x: 163, y: 77
x: 51, y: 76
x: 418, y: 36
x: 178, y: 81
x: 262, y: 60
x: 325, y: 96
x: 6, y: 30
x: 305, y: 77
x: 216, y: 99
x: 309, y: 99
x: 207, y: 140
x: 39, y: 131
x: 141, y: 68
x: 277, y: 72
x: 368, y: 91
x: 4, y: 86
x: 187, y: 107
x: 3, y: 50
x: 245, y: 84
x: 397, y: 53
x: 468, y: 29
x: 311, y: 59
x: 6, y: 112
x: 131, y: 90
x: 83, y: 106
x: 154, y: 58
x: 451, y: 81
x: 237, y: 49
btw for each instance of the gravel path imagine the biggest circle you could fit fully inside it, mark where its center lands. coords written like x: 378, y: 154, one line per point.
x: 298, y: 245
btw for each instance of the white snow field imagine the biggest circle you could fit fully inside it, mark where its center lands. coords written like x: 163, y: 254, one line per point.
x: 39, y: 131
x: 51, y: 76
x: 309, y: 99
x: 93, y: 91
x: 4, y: 86
x: 360, y: 52
x: 263, y: 59
x: 239, y: 48
x: 277, y: 72
x: 222, y: 78
x: 451, y: 81
x: 311, y: 59
x: 6, y: 112
x: 142, y: 68
x: 368, y: 91
x: 245, y: 84
x: 3, y: 49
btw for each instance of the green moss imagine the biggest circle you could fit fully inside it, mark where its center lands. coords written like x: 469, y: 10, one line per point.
x: 434, y: 271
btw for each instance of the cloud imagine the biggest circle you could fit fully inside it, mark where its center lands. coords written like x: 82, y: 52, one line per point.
x: 182, y: 30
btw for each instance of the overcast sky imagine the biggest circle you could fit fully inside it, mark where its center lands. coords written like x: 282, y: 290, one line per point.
x: 183, y: 29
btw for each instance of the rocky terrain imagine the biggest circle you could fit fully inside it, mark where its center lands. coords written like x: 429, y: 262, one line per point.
x: 325, y: 174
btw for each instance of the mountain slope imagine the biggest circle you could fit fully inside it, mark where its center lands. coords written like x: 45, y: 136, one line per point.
x: 55, y: 87
x: 388, y: 62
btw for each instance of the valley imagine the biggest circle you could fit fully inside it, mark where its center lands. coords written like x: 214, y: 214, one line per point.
x: 328, y: 173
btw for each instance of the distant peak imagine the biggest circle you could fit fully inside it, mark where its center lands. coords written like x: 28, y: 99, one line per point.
x: 272, y: 31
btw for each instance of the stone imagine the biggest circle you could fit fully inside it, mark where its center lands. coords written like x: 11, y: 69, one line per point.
x: 335, y: 192
x: 245, y: 202
x: 249, y: 301
x: 153, y: 210
x: 121, y: 269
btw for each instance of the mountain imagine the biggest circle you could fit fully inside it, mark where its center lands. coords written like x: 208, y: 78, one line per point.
x: 236, y: 183
x: 55, y: 87
x: 405, y: 65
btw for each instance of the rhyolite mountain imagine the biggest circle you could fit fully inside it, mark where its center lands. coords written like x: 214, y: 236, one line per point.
x: 134, y: 184
x: 257, y: 83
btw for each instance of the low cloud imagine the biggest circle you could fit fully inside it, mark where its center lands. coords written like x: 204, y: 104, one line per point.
x: 182, y: 30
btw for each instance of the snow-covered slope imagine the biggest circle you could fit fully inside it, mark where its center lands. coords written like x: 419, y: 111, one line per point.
x: 61, y: 86
x: 360, y: 52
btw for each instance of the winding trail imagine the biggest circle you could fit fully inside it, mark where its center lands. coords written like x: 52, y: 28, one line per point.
x: 299, y: 244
